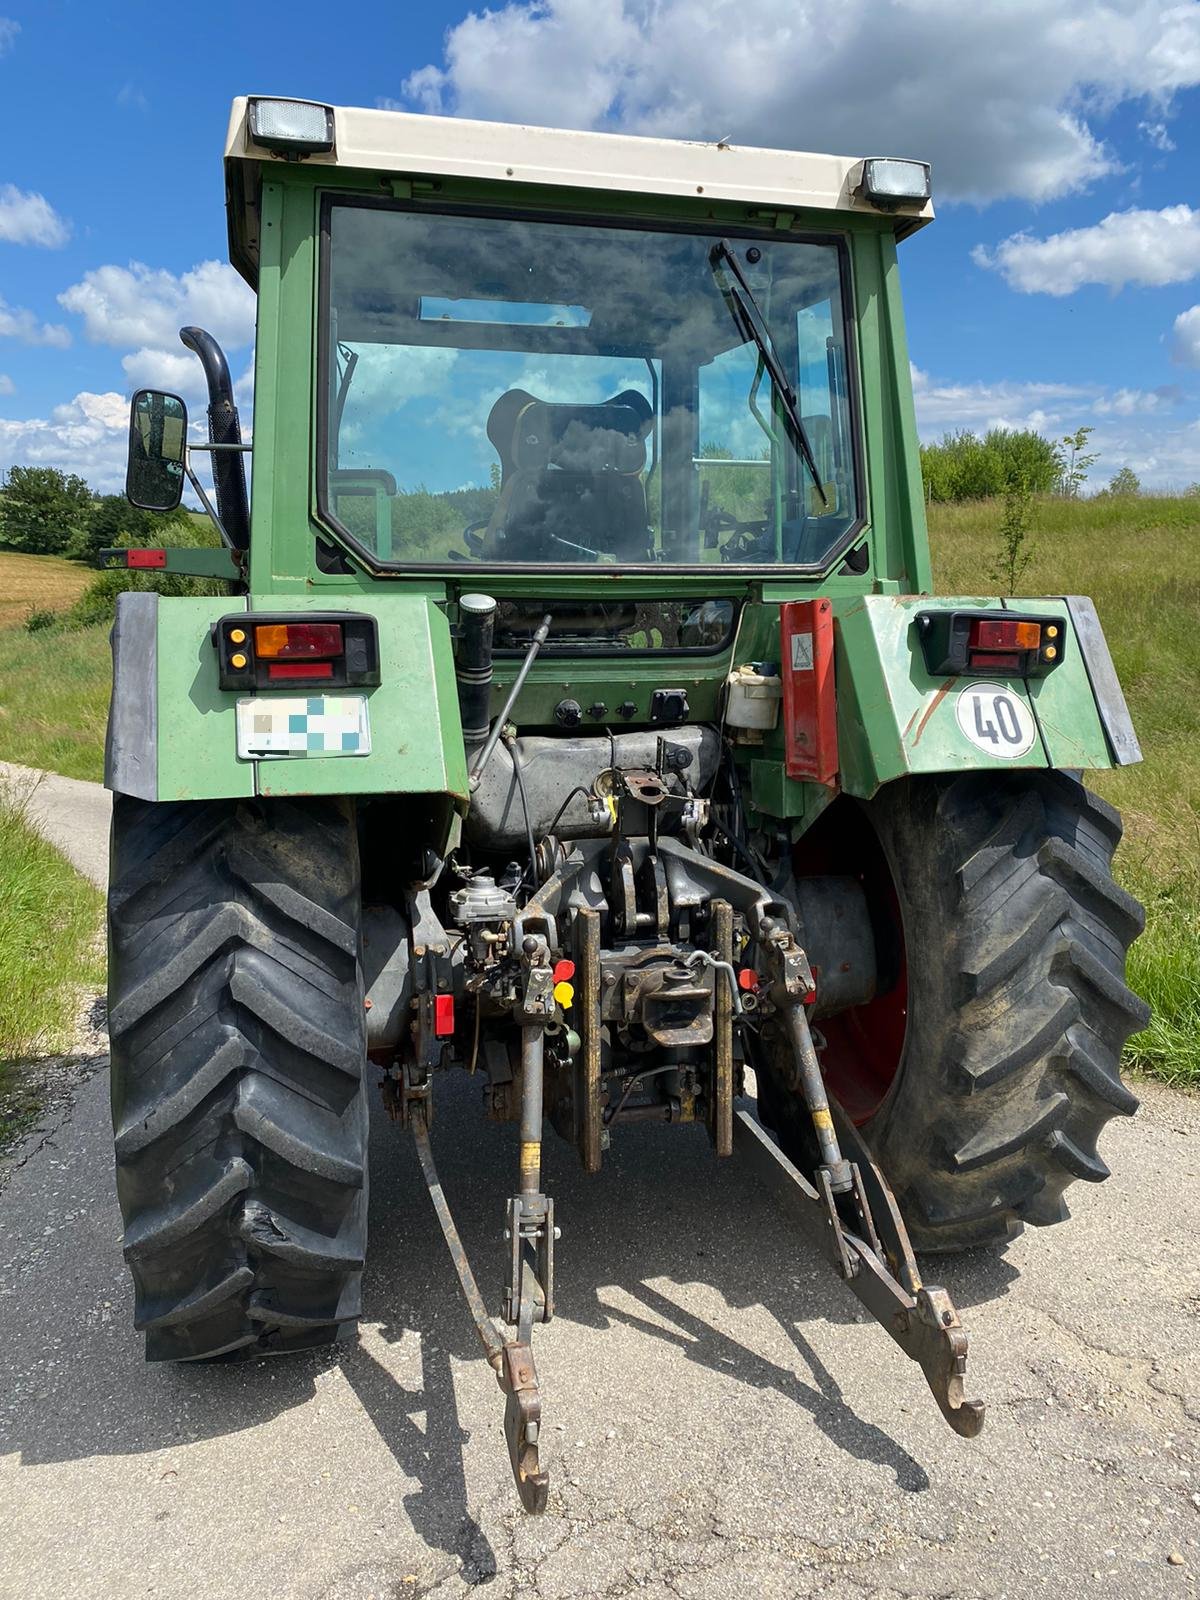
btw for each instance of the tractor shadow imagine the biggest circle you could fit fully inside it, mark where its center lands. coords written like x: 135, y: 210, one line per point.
x: 663, y: 1213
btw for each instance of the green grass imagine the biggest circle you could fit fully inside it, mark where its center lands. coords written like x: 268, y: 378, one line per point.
x: 54, y: 700
x: 1139, y: 559
x: 50, y: 951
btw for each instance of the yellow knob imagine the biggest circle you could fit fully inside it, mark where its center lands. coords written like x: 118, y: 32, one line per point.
x: 237, y: 635
x: 238, y: 661
x: 564, y: 993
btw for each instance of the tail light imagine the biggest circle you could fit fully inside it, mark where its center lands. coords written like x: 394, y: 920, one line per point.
x: 999, y: 644
x: 327, y: 649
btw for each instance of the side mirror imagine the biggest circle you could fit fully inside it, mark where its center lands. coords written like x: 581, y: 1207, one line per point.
x: 157, y: 444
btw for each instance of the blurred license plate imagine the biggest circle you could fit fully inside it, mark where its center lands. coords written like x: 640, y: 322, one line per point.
x: 307, y: 725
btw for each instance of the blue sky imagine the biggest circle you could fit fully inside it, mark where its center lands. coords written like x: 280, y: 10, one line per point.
x: 1059, y: 286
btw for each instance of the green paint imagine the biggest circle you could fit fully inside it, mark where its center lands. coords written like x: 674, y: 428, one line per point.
x: 197, y: 740
x: 895, y: 719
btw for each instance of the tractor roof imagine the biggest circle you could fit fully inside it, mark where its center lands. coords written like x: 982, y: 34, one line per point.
x: 411, y: 145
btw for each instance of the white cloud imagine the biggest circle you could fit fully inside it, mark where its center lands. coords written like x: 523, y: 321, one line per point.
x: 140, y: 310
x: 943, y: 407
x: 1139, y: 402
x: 998, y: 97
x: 1144, y: 247
x: 178, y: 372
x: 1132, y: 427
x: 1155, y: 133
x: 1186, y: 341
x: 131, y: 98
x: 138, y: 307
x: 88, y: 435
x: 28, y: 218
x: 7, y: 386
x: 8, y: 33
x: 1163, y: 458
x: 18, y: 323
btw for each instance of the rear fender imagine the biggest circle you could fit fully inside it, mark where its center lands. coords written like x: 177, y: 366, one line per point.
x: 172, y: 732
x: 895, y: 719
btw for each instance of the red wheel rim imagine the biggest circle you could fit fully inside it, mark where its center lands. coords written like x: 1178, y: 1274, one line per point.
x: 863, y: 1045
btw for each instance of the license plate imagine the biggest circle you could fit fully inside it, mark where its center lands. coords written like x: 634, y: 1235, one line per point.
x: 308, y: 725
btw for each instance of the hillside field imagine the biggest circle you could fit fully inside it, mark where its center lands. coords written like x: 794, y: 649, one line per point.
x: 1139, y: 559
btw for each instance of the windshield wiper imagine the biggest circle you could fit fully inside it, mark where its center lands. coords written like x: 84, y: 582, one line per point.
x: 752, y: 325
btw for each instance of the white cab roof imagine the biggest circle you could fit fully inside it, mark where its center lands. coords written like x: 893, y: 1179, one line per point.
x: 406, y: 144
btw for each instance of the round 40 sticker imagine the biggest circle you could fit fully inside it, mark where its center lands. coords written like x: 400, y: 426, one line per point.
x: 996, y: 720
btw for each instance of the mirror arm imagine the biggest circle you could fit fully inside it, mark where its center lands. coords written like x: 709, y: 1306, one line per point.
x: 204, y: 500
x: 242, y: 449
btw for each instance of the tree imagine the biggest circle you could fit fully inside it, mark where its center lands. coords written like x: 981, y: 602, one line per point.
x: 1124, y: 483
x: 115, y: 524
x: 1015, y: 553
x: 42, y: 510
x: 1076, y: 462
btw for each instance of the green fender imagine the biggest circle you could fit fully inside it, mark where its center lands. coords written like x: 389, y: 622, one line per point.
x: 895, y: 719
x: 172, y: 729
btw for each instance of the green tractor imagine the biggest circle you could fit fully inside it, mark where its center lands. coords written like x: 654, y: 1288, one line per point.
x: 579, y: 715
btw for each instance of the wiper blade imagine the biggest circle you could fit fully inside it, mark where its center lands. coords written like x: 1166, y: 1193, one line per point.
x: 744, y: 308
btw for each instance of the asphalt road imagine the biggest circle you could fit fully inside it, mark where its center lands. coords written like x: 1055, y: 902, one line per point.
x: 719, y: 1423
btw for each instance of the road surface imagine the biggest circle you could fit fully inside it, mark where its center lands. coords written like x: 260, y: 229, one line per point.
x: 720, y: 1424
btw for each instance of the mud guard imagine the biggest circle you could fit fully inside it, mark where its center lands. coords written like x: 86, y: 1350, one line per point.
x: 163, y: 656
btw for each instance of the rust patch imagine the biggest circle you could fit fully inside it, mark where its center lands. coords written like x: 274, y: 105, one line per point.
x: 933, y: 705
x: 909, y: 723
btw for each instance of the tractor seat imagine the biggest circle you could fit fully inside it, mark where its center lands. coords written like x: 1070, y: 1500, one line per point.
x: 571, y: 484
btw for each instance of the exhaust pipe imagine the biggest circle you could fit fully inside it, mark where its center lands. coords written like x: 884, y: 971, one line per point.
x: 228, y: 469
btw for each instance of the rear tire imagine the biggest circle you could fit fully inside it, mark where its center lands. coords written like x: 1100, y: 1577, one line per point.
x: 1017, y: 1009
x: 238, y: 1050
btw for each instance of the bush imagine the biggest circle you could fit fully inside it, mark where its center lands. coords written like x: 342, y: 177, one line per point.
x: 116, y: 525
x: 965, y: 467
x: 98, y: 602
x: 39, y: 619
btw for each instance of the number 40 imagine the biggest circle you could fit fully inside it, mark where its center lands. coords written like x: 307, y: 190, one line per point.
x: 1006, y: 725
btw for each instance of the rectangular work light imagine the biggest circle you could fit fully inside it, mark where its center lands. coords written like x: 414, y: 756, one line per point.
x: 888, y: 181
x: 292, y: 127
x: 998, y: 644
x: 338, y: 649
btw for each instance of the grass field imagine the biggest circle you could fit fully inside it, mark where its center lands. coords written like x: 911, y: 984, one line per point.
x: 1138, y: 558
x: 37, y: 583
x: 54, y: 697
x: 50, y: 949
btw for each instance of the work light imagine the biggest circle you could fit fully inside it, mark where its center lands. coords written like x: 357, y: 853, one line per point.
x: 887, y: 181
x: 293, y: 127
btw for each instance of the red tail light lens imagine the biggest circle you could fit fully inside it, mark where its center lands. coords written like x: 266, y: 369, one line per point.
x: 311, y: 639
x: 308, y: 670
x: 1007, y: 664
x: 1003, y: 633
